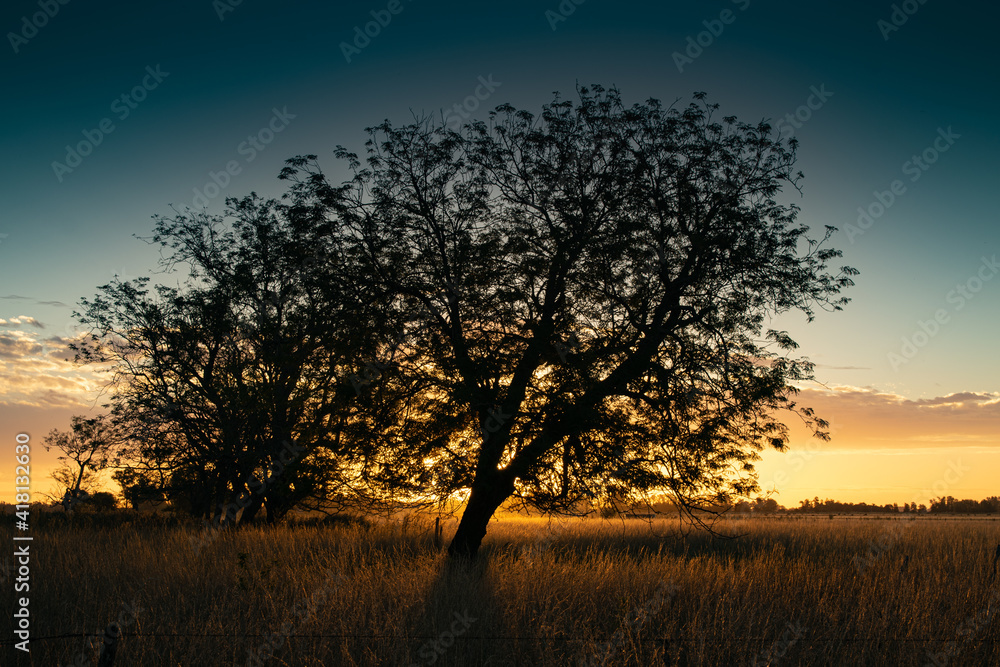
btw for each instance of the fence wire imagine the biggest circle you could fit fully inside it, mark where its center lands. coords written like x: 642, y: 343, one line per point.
x: 657, y: 640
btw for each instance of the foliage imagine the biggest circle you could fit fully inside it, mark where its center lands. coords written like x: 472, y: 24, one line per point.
x: 87, y: 448
x: 568, y: 310
x: 587, y: 292
x: 947, y: 504
x: 240, y: 371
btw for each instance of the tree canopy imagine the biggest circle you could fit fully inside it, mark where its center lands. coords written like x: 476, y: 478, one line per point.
x: 562, y: 309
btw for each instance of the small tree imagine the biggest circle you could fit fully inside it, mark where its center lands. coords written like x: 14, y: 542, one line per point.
x: 103, y: 501
x: 87, y: 448
x: 138, y: 487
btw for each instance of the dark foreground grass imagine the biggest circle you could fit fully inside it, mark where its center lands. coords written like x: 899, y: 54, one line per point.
x: 580, y: 592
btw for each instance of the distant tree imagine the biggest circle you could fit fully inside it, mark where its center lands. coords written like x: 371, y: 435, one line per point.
x: 766, y: 505
x: 71, y: 489
x: 586, y: 293
x: 102, y: 501
x: 87, y: 448
x: 138, y: 487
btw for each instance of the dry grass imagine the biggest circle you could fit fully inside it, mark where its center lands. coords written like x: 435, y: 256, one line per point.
x: 579, y: 592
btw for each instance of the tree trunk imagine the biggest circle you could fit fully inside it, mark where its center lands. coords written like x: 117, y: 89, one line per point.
x: 483, y: 502
x: 251, y: 510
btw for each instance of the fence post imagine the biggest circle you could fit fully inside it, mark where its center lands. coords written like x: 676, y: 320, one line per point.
x: 110, y: 646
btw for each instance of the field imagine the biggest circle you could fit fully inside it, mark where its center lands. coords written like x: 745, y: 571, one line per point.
x: 575, y: 592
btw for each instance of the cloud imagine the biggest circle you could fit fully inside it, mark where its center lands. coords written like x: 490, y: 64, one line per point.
x: 866, y: 418
x: 21, y: 319
x: 18, y: 297
x: 15, y: 345
x: 36, y: 372
x: 958, y: 399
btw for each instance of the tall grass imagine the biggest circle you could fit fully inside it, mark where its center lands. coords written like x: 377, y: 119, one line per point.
x: 810, y: 592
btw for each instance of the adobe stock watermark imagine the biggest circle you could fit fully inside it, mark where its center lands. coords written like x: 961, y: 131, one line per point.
x: 900, y: 15
x: 230, y: 511
x: 797, y: 457
x: 542, y: 543
x: 459, y: 113
x: 31, y: 25
x: 966, y: 632
x: 435, y: 648
x: 494, y: 422
x: 303, y: 611
x: 914, y: 168
x: 372, y: 29
x: 254, y: 144
x: 889, y: 537
x: 794, y: 121
x: 223, y: 7
x: 126, y: 617
x: 122, y: 106
x: 714, y: 28
x: 797, y: 460
x: 373, y: 369
x: 562, y: 12
x: 779, y: 647
x: 632, y: 623
x: 958, y: 297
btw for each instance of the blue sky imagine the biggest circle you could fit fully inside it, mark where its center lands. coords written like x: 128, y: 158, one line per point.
x: 880, y: 96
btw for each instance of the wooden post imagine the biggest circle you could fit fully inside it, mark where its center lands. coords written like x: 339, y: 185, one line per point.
x: 996, y: 559
x: 110, y: 646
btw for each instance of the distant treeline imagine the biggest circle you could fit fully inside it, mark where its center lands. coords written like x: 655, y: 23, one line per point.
x: 835, y: 507
x: 943, y: 505
x: 989, y: 506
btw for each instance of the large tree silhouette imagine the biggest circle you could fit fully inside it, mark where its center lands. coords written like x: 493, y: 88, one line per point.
x: 582, y: 297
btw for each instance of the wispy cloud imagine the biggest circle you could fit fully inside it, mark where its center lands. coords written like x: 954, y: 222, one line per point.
x: 18, y: 297
x: 21, y: 319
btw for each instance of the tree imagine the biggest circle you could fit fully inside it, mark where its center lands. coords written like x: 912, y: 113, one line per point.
x: 68, y: 494
x: 584, y: 295
x: 138, y: 487
x: 233, y: 386
x: 766, y: 505
x: 87, y: 448
x: 103, y: 501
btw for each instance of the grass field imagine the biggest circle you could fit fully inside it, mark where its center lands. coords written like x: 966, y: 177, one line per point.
x: 576, y: 592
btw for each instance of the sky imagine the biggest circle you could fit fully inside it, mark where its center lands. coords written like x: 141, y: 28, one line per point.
x: 120, y: 111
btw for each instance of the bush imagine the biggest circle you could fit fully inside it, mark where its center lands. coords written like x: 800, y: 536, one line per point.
x: 102, y: 501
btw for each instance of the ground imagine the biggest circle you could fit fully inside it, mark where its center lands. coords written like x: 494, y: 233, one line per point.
x: 804, y: 591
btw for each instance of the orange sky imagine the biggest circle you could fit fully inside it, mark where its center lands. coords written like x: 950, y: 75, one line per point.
x: 885, y: 447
